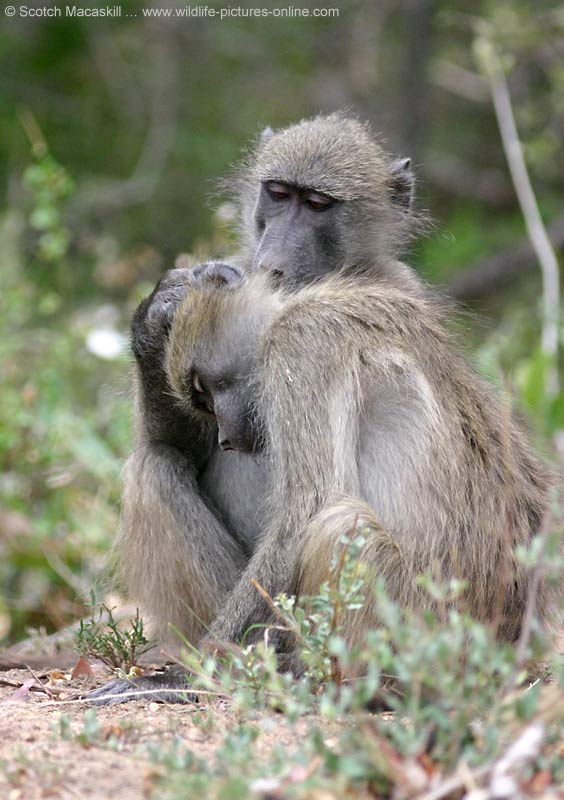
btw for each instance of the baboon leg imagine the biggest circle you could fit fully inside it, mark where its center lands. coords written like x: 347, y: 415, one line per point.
x: 381, y: 554
x: 176, y: 557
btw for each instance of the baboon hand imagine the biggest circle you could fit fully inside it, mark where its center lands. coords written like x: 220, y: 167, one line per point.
x: 152, y: 320
x: 167, y: 687
x: 216, y: 273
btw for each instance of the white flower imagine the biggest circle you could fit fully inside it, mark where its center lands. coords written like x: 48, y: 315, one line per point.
x: 106, y: 343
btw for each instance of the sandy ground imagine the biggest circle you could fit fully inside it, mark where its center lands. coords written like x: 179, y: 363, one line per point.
x: 37, y: 761
x: 48, y: 751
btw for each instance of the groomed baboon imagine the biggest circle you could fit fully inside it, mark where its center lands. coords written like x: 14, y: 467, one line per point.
x: 358, y: 394
x: 366, y: 410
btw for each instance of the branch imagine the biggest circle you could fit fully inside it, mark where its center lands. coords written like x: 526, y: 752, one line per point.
x: 453, y: 175
x: 501, y: 774
x: 498, y: 271
x: 418, y: 40
x: 489, y: 60
x: 460, y: 81
x: 107, y: 195
x: 119, y: 77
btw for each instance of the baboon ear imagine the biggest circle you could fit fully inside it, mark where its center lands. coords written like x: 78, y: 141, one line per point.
x: 266, y: 135
x: 401, y: 183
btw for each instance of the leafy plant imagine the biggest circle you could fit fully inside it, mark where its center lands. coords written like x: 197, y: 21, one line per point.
x: 454, y: 696
x: 107, y: 641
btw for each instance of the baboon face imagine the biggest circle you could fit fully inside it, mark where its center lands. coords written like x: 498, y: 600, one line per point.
x: 226, y: 394
x: 220, y: 379
x: 321, y: 196
x: 298, y: 231
x: 214, y: 351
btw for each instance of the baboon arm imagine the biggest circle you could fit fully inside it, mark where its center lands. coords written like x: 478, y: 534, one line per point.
x: 312, y: 405
x: 274, y: 567
x: 313, y: 383
x: 312, y: 414
x: 160, y: 420
x: 177, y: 558
x: 158, y: 416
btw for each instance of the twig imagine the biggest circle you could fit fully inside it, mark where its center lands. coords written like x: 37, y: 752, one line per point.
x: 131, y: 695
x: 81, y: 587
x: 457, y: 782
x: 107, y: 195
x: 270, y: 602
x: 460, y: 81
x: 490, y: 63
x: 34, y: 133
x: 530, y: 608
x: 497, y: 271
x: 454, y: 175
x: 36, y: 687
x: 117, y: 74
x: 521, y: 752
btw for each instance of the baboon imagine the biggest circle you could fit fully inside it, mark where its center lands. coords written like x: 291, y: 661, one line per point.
x: 351, y: 382
x: 323, y: 195
x: 365, y: 409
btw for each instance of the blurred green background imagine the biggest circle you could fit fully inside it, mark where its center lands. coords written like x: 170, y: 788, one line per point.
x: 113, y: 134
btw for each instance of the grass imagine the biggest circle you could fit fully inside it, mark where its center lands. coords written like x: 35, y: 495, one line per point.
x: 461, y: 709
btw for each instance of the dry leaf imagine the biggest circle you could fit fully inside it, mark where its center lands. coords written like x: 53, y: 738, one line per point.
x: 116, y: 730
x: 428, y: 765
x: 539, y: 782
x: 21, y: 695
x: 56, y: 676
x: 82, y: 667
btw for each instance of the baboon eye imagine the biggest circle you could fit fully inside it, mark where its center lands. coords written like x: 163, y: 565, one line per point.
x: 202, y: 397
x: 277, y: 190
x: 319, y: 202
x: 197, y: 383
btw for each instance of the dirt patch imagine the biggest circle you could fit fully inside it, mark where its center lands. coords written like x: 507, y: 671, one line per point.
x: 47, y: 749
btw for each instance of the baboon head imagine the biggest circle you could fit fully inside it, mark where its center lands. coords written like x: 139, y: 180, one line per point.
x: 323, y: 195
x: 213, y: 352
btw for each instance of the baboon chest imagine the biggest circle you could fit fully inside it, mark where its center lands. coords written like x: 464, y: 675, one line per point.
x: 236, y: 483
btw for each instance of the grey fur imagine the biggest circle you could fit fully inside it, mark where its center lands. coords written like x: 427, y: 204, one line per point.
x: 367, y: 407
x: 400, y: 432
x: 340, y: 157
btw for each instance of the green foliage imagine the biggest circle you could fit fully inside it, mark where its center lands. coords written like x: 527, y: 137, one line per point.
x: 102, y: 637
x: 448, y: 685
x: 50, y: 185
x: 91, y: 732
x: 65, y: 413
x: 64, y: 428
x: 318, y: 622
x: 514, y: 359
x: 232, y: 775
x: 464, y: 238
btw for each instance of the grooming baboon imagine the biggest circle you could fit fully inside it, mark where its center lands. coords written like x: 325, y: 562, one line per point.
x: 359, y: 396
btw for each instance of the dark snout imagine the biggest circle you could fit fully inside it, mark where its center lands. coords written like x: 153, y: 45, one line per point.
x: 284, y: 251
x: 242, y: 440
x: 235, y: 428
x: 271, y: 263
